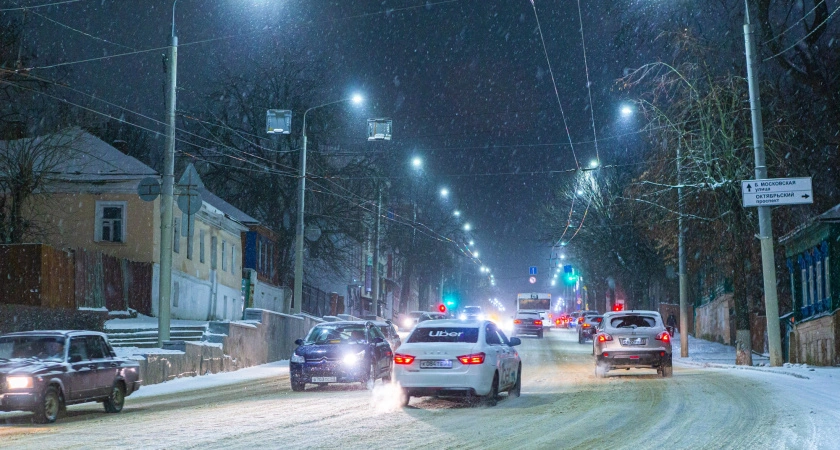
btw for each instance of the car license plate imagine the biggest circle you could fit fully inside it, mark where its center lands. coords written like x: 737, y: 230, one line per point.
x: 633, y: 341
x: 436, y: 364
x: 323, y: 379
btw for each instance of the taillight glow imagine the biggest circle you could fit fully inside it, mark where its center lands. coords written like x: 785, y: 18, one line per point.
x: 558, y: 321
x: 580, y: 319
x: 538, y: 322
x: 517, y: 322
x: 403, y: 359
x: 475, y: 358
x: 604, y: 337
x: 664, y: 337
x: 586, y: 325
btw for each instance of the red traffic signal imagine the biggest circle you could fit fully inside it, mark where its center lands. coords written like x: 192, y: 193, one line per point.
x: 442, y: 308
x: 618, y: 307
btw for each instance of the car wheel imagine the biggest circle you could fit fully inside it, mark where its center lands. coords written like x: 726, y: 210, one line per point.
x: 516, y: 390
x: 116, y: 399
x: 667, y: 369
x: 298, y: 386
x: 47, y: 410
x: 601, y: 370
x: 492, y: 397
x: 370, y: 380
x: 404, y: 397
x: 540, y: 335
x: 581, y: 340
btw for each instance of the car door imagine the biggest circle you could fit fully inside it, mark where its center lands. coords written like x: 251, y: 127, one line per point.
x: 512, y: 357
x: 82, y: 376
x: 497, y: 347
x: 101, y: 354
x: 380, y: 351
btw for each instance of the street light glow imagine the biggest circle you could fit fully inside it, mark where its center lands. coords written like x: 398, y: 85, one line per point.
x: 457, y: 213
x: 357, y: 99
x: 475, y: 254
x: 445, y: 193
x: 626, y: 111
x: 472, y: 242
x: 562, y: 256
x: 593, y: 164
x: 467, y: 227
x: 417, y: 162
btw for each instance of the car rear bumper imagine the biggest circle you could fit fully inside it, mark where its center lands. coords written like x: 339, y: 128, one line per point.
x: 635, y: 359
x: 444, y: 382
x: 343, y: 373
x: 527, y: 329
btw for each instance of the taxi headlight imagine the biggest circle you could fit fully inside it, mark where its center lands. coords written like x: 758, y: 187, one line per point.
x: 354, y: 358
x: 19, y: 382
x: 297, y: 359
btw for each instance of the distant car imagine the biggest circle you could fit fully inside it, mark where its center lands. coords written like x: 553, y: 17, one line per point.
x: 456, y: 358
x: 587, y: 329
x: 408, y: 320
x: 471, y: 313
x: 632, y: 339
x: 432, y: 316
x: 528, y: 323
x: 44, y: 371
x: 341, y: 352
x: 561, y: 321
x: 390, y: 332
x: 573, y: 319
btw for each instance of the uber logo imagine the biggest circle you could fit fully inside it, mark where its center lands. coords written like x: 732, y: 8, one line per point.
x: 445, y: 333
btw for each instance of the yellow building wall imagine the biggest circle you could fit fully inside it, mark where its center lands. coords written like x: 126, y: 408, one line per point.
x: 69, y: 222
x: 201, y: 270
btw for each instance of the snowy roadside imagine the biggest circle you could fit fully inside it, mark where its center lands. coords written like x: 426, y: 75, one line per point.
x: 142, y: 322
x: 703, y: 353
x: 178, y: 385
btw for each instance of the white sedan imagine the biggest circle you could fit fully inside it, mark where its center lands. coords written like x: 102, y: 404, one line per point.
x: 454, y: 358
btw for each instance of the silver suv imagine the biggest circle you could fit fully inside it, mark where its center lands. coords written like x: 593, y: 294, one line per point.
x: 632, y: 339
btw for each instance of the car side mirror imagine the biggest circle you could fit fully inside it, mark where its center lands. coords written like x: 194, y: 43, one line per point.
x: 75, y: 358
x: 514, y: 341
x: 298, y: 341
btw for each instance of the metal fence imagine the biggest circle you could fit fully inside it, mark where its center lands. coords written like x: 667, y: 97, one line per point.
x: 315, y: 301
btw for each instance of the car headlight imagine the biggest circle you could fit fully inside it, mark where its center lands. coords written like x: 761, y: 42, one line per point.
x: 353, y: 358
x: 481, y: 317
x: 297, y: 359
x: 407, y: 323
x: 19, y: 382
x: 462, y: 317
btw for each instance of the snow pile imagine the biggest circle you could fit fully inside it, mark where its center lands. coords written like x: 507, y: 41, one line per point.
x: 178, y: 385
x: 142, y: 322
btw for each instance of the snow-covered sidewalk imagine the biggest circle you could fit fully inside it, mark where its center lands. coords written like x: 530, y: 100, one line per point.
x: 142, y: 322
x: 712, y: 354
x: 203, y: 382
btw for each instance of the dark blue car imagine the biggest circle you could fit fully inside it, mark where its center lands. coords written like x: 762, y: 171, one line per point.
x: 341, y: 352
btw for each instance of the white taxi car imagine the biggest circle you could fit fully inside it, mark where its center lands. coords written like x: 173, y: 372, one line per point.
x: 457, y: 358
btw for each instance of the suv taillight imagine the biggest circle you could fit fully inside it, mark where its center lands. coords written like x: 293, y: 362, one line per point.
x: 403, y: 359
x: 475, y: 358
x: 664, y: 337
x: 586, y: 325
x: 604, y: 337
x: 517, y: 322
x: 580, y: 319
x: 538, y: 322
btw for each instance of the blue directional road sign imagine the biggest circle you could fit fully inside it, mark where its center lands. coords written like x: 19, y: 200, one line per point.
x: 532, y: 270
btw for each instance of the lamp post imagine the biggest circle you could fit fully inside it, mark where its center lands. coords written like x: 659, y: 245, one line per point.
x: 166, y: 195
x: 299, y: 228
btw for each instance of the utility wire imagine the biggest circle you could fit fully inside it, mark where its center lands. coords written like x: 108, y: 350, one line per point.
x: 44, y: 5
x: 806, y: 36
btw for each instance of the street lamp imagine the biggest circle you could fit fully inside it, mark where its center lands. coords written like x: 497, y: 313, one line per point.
x: 444, y: 193
x: 467, y: 227
x: 626, y: 111
x: 472, y: 242
x: 417, y: 162
x: 593, y: 164
x: 457, y: 213
x: 299, y: 229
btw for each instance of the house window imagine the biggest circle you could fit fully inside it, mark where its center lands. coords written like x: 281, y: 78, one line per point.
x: 224, y: 256
x: 201, y: 246
x: 232, y: 258
x: 213, y: 255
x: 110, y: 222
x: 176, y: 239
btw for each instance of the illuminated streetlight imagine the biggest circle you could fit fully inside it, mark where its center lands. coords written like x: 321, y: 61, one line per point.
x: 444, y: 193
x: 467, y: 227
x: 626, y: 111
x: 417, y: 162
x: 593, y: 164
x: 475, y: 254
x: 457, y: 213
x: 472, y: 242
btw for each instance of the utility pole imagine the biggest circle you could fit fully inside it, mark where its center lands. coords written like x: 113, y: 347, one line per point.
x: 765, y: 224
x: 374, y: 288
x: 166, y: 195
x: 681, y: 252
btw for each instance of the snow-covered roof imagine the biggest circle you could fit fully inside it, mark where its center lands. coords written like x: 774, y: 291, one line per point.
x: 226, y: 208
x: 81, y: 156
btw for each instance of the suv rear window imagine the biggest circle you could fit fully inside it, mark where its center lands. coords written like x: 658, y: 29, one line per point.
x: 632, y: 322
x: 444, y: 334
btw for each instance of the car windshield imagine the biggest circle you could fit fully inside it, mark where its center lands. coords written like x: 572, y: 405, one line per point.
x: 632, y: 322
x: 46, y: 348
x: 472, y: 310
x: 444, y: 334
x: 336, y: 334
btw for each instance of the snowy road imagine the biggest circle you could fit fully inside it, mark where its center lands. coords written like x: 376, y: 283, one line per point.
x: 563, y: 405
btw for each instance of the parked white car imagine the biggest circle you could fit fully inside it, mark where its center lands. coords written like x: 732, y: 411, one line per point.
x: 456, y: 358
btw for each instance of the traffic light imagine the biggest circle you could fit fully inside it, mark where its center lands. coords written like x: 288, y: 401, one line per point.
x: 618, y: 307
x: 442, y: 308
x: 569, y: 275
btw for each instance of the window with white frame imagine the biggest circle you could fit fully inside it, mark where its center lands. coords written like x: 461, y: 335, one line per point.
x: 224, y: 255
x: 232, y: 258
x: 110, y: 222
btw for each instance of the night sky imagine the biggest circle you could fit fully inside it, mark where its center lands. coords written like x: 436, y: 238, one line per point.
x: 465, y: 81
